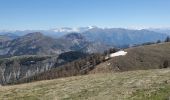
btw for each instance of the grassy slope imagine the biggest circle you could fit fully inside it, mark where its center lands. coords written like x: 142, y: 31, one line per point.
x: 137, y: 58
x: 144, y: 85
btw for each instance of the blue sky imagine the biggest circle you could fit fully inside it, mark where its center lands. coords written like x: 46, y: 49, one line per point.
x: 46, y: 14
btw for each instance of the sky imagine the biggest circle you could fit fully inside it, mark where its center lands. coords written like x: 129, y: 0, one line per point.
x: 47, y: 14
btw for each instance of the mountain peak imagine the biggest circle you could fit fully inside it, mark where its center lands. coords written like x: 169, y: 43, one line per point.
x: 69, y: 29
x: 74, y: 36
x: 34, y: 35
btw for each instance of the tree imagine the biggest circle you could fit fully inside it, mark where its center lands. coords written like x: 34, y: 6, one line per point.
x: 165, y: 64
x: 159, y: 41
x: 167, y: 39
x: 113, y: 50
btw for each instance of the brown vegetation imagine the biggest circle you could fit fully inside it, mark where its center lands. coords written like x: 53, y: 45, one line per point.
x: 143, y: 57
x: 77, y: 67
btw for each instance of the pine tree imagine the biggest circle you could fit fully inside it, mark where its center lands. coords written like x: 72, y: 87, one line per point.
x: 167, y: 39
x: 159, y: 41
x: 165, y: 64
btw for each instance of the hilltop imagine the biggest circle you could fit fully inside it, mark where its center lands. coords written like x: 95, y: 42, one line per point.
x: 145, y: 57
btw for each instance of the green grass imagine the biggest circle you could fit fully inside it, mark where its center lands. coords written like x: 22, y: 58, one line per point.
x: 161, y: 92
x: 131, y: 85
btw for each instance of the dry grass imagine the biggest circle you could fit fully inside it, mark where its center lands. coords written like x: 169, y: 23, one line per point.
x: 135, y: 85
x: 138, y: 58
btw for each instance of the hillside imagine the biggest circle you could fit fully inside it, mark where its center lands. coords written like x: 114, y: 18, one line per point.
x: 4, y: 40
x: 153, y: 56
x: 131, y: 85
x: 78, y: 42
x: 18, y: 67
x: 7, y: 37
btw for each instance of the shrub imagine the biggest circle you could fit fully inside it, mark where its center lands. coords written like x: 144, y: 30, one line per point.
x: 165, y: 64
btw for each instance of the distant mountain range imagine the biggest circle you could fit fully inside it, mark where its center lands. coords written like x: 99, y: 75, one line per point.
x: 55, y: 32
x: 87, y: 39
x: 39, y: 44
x: 58, y: 32
x: 7, y: 36
x: 161, y: 30
x: 122, y: 37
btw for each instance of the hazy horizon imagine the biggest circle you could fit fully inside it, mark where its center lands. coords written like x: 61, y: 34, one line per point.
x: 53, y: 28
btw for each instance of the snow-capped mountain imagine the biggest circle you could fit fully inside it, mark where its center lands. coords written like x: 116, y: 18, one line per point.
x: 65, y: 29
x: 70, y: 30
